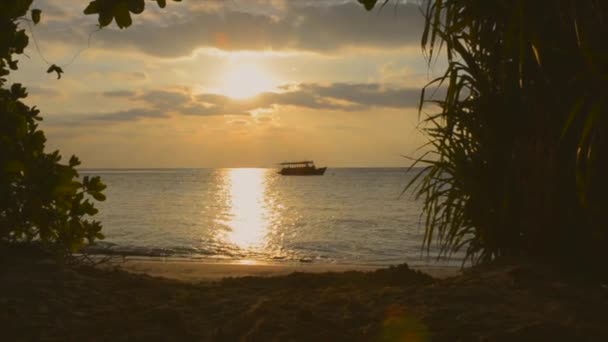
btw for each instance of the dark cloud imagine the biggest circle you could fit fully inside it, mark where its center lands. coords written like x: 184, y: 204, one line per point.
x: 336, y: 96
x: 78, y: 120
x: 368, y: 94
x: 163, y: 99
x: 318, y: 27
x: 158, y: 104
x: 128, y: 115
x: 346, y: 97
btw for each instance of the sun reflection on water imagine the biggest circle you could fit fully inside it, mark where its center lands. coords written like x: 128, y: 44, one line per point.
x: 248, y: 213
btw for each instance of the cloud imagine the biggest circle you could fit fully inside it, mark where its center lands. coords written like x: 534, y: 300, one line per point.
x: 128, y: 115
x: 238, y: 123
x: 345, y: 97
x: 119, y: 93
x: 152, y: 104
x: 263, y: 119
x: 166, y: 100
x: 340, y: 127
x: 331, y: 97
x: 368, y: 95
x: 43, y: 91
x: 128, y: 76
x: 322, y: 27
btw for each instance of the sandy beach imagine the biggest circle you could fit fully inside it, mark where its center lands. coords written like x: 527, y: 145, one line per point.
x: 43, y: 299
x: 210, y: 270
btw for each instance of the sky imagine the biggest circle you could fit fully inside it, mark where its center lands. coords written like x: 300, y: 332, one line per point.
x: 230, y: 83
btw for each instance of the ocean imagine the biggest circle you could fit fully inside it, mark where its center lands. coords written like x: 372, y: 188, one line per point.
x: 348, y: 216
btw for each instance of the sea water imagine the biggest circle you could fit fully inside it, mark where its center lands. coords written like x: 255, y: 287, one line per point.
x: 348, y: 216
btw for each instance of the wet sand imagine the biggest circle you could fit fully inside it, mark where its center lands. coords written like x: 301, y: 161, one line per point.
x: 208, y: 270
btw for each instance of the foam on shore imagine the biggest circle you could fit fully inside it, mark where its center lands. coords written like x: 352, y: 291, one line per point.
x: 197, y: 270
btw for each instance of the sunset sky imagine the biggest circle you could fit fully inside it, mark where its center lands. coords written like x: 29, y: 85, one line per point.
x: 234, y: 83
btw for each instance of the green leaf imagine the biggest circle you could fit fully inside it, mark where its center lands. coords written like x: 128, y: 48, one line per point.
x: 98, y: 196
x: 36, y: 15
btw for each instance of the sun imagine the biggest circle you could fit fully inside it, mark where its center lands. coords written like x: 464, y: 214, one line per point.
x: 245, y: 80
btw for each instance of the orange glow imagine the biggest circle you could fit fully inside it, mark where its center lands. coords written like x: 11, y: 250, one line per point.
x: 399, y: 325
x: 222, y: 40
x: 245, y: 80
x: 249, y: 216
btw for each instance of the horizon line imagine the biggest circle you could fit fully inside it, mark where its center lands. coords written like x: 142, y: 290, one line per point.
x: 232, y: 167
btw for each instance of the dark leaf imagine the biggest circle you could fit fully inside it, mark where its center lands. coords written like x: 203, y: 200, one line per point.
x: 98, y: 196
x: 36, y: 15
x: 92, y: 8
x: 122, y: 15
x: 55, y: 68
x: 13, y: 65
x: 74, y: 161
x: 369, y: 4
x: 136, y: 6
x: 105, y: 18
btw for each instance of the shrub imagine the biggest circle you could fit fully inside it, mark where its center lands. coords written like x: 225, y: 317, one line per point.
x: 40, y: 198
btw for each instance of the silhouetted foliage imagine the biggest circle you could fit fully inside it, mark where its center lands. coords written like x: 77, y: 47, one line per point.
x: 369, y: 4
x: 118, y: 10
x: 519, y: 149
x: 40, y: 198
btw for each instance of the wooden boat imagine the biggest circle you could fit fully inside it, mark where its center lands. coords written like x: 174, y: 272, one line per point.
x: 302, y: 168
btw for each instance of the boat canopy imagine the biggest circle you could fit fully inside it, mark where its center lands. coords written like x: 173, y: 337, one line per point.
x: 301, y: 168
x: 306, y: 162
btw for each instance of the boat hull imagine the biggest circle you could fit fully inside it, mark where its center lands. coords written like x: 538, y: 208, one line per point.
x: 304, y: 171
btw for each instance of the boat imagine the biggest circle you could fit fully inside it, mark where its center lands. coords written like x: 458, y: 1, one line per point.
x: 301, y: 168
